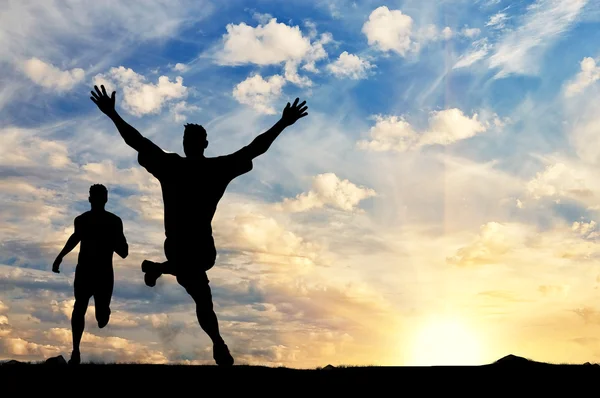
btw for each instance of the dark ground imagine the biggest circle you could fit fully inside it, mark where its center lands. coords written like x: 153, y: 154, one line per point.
x: 513, y: 376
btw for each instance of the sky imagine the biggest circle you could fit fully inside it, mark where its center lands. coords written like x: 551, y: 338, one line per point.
x: 437, y: 206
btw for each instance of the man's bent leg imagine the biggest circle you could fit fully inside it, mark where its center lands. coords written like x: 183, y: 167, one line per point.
x: 102, y: 298
x: 153, y: 271
x: 198, y: 288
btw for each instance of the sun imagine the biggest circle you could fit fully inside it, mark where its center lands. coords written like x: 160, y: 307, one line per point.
x: 445, y: 342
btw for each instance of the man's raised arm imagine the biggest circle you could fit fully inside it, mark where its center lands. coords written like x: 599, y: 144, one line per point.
x: 106, y: 104
x: 291, y: 114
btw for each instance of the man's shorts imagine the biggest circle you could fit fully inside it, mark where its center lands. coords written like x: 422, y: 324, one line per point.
x: 98, y: 283
x: 191, y: 260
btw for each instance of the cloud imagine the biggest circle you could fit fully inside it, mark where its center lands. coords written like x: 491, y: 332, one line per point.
x: 179, y: 67
x: 49, y: 76
x: 291, y: 75
x: 30, y: 29
x: 471, y: 32
x: 480, y: 50
x: 389, y: 30
x: 267, y: 44
x: 393, y: 133
x: 16, y: 346
x: 328, y: 190
x: 562, y: 180
x: 493, y: 242
x: 259, y: 93
x: 23, y: 148
x: 519, y: 50
x: 179, y: 110
x: 447, y: 33
x: 589, y: 74
x: 350, y: 66
x: 110, y: 349
x: 273, y: 43
x: 498, y: 21
x: 139, y: 97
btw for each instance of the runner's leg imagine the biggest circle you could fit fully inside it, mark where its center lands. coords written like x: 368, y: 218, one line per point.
x: 103, y: 296
x: 83, y: 292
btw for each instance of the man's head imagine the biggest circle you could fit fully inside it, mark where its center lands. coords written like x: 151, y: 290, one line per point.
x: 98, y: 195
x: 194, y: 140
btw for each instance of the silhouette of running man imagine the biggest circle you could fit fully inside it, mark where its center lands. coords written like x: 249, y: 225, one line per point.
x: 191, y: 189
x: 100, y: 233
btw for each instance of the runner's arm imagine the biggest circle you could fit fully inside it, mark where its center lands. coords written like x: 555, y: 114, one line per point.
x: 73, y: 240
x: 121, y: 246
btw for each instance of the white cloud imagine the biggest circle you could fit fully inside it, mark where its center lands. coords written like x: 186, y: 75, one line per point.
x: 179, y: 67
x: 394, y: 133
x: 447, y: 33
x: 586, y: 230
x: 544, y: 22
x: 498, y: 21
x: 269, y: 44
x: 259, y: 93
x: 471, y: 32
x: 493, y: 242
x: 272, y: 43
x: 389, y: 30
x: 180, y: 108
x: 351, y: 66
x: 329, y: 190
x: 560, y: 180
x: 49, y: 76
x: 139, y: 97
x: 481, y: 48
x: 262, y: 18
x: 24, y: 148
x: 317, y: 52
x: 292, y: 76
x: 97, y: 32
x: 590, y: 73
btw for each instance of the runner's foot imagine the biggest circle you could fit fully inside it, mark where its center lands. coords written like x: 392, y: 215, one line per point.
x: 221, y: 355
x: 75, y: 358
x: 151, y: 273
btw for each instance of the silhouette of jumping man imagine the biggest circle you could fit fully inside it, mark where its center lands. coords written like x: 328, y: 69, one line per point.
x: 191, y: 189
x: 100, y: 233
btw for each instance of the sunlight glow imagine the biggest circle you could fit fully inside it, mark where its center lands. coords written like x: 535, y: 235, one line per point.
x: 445, y: 342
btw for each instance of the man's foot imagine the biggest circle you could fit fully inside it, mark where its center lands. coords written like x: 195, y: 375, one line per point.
x: 151, y: 273
x: 103, y: 320
x: 221, y: 355
x: 75, y: 358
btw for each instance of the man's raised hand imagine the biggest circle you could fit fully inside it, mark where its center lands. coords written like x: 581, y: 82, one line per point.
x: 105, y: 103
x: 292, y: 113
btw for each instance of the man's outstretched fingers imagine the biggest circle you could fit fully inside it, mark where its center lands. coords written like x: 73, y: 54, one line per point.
x: 103, y: 90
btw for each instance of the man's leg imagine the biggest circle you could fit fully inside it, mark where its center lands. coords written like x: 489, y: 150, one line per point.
x: 102, y: 298
x: 198, y: 288
x: 152, y: 270
x: 82, y: 299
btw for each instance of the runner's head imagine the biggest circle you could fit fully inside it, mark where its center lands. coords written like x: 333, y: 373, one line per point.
x: 98, y: 195
x: 194, y: 140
